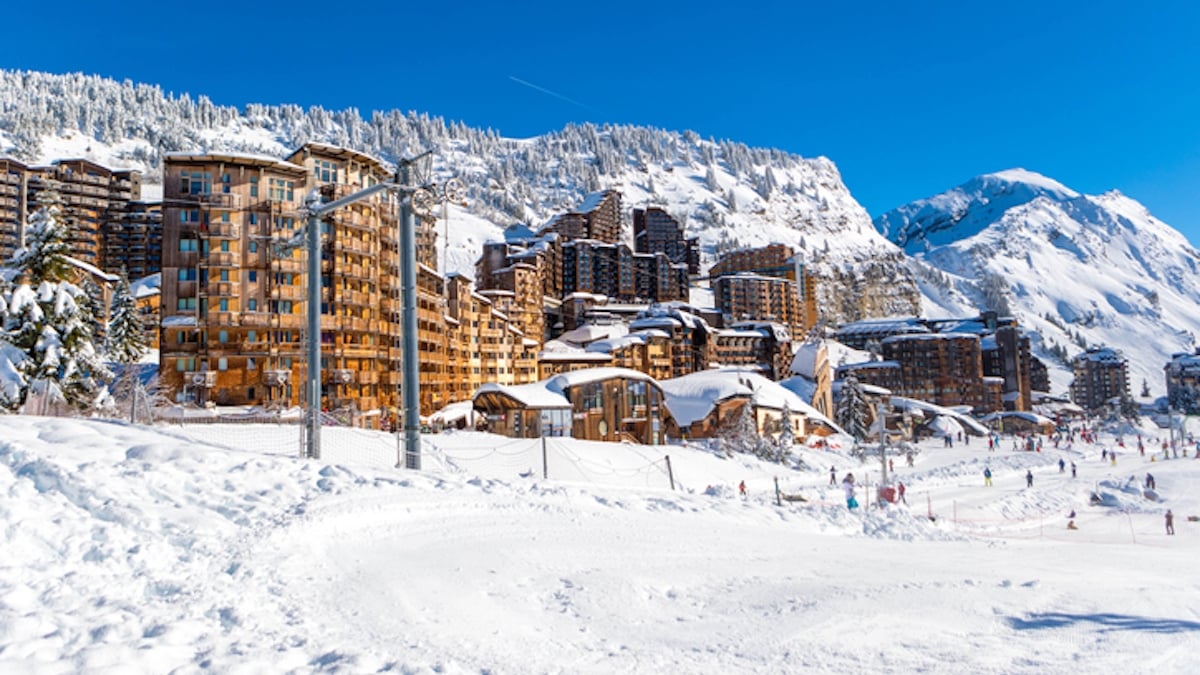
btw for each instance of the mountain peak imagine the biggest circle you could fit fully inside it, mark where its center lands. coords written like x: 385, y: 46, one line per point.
x: 1029, y: 178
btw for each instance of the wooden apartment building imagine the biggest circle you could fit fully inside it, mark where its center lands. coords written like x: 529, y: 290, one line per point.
x: 234, y: 291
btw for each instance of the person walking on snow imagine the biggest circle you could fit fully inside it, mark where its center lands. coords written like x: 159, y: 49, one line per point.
x: 1072, y: 469
x: 900, y: 489
x: 742, y: 488
x: 833, y: 475
x: 1062, y: 465
x: 1170, y: 522
x: 1029, y: 478
x: 848, y: 488
x: 987, y: 476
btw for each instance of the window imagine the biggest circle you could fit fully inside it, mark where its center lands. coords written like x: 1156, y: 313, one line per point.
x: 253, y: 186
x: 281, y: 190
x: 224, y: 304
x: 251, y: 365
x: 187, y: 274
x: 223, y: 336
x: 224, y: 275
x: 251, y: 336
x: 252, y: 305
x: 253, y: 218
x: 185, y: 303
x: 254, y: 247
x: 225, y: 183
x: 225, y: 245
x: 195, y: 182
x: 325, y: 171
x: 224, y: 216
x: 253, y: 276
x: 222, y: 363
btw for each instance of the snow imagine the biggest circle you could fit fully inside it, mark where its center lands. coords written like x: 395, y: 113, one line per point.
x: 211, y: 547
x: 691, y: 397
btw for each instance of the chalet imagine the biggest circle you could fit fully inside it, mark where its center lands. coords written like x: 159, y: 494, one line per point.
x: 704, y: 403
x: 597, y: 404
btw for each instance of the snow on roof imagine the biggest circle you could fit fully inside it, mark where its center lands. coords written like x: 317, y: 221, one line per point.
x: 592, y: 201
x: 574, y: 355
x: 693, y: 396
x: 534, y: 395
x: 805, y: 359
x: 563, y: 381
x: 1101, y: 355
x: 267, y: 160
x: 800, y: 386
x: 868, y: 365
x: 964, y: 421
x: 890, y: 325
x: 588, y: 333
x: 1027, y: 416
x: 147, y: 286
x: 929, y: 336
x: 518, y: 232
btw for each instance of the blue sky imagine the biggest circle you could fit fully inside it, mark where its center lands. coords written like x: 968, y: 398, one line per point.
x: 909, y: 99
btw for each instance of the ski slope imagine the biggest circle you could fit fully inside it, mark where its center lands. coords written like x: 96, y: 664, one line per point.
x: 213, y: 548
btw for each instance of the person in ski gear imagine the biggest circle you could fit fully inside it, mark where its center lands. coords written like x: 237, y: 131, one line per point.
x: 1170, y: 517
x: 1062, y: 465
x: 1072, y: 469
x: 742, y: 488
x: 900, y: 489
x: 848, y: 488
x: 833, y: 475
x: 987, y: 476
x: 1029, y: 478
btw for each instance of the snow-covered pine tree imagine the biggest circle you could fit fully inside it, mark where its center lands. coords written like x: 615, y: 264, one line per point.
x: 741, y: 435
x: 852, y: 409
x: 126, y: 342
x: 126, y: 334
x: 50, y: 321
x: 787, y: 435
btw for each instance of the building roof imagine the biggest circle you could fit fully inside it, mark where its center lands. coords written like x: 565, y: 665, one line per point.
x: 692, y: 397
x: 534, y: 395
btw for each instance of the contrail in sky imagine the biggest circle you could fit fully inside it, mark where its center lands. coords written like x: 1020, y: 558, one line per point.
x: 547, y: 91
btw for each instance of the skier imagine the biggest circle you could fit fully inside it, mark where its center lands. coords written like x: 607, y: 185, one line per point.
x: 987, y: 476
x: 833, y: 475
x: 1072, y: 468
x: 742, y: 488
x: 1062, y: 465
x: 848, y: 487
x: 1170, y: 522
x: 901, y: 489
x: 909, y: 457
x: 1029, y: 478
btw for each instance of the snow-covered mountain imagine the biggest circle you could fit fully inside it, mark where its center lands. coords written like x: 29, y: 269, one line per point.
x: 1078, y: 269
x: 726, y: 193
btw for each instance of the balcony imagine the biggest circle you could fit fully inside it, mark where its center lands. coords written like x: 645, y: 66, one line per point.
x: 227, y: 200
x: 276, y: 378
x: 294, y: 265
x: 256, y: 319
x: 222, y: 288
x: 221, y: 259
x: 201, y: 378
x: 341, y: 376
x: 223, y: 230
x: 288, y: 292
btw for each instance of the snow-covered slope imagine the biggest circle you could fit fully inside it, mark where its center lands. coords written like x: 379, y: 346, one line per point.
x: 211, y: 548
x: 1078, y: 269
x: 726, y: 193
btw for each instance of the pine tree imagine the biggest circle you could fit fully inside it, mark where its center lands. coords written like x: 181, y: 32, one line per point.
x: 852, y: 409
x: 50, y: 322
x: 1145, y: 388
x: 787, y: 435
x: 126, y: 334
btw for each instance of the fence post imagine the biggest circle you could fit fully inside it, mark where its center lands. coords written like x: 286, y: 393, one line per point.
x: 545, y: 465
x: 778, y: 498
x: 670, y: 473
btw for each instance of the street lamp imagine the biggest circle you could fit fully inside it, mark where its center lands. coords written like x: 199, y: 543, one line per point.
x: 419, y: 198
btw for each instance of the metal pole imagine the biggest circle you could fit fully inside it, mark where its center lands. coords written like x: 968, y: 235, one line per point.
x: 411, y: 392
x: 314, y: 337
